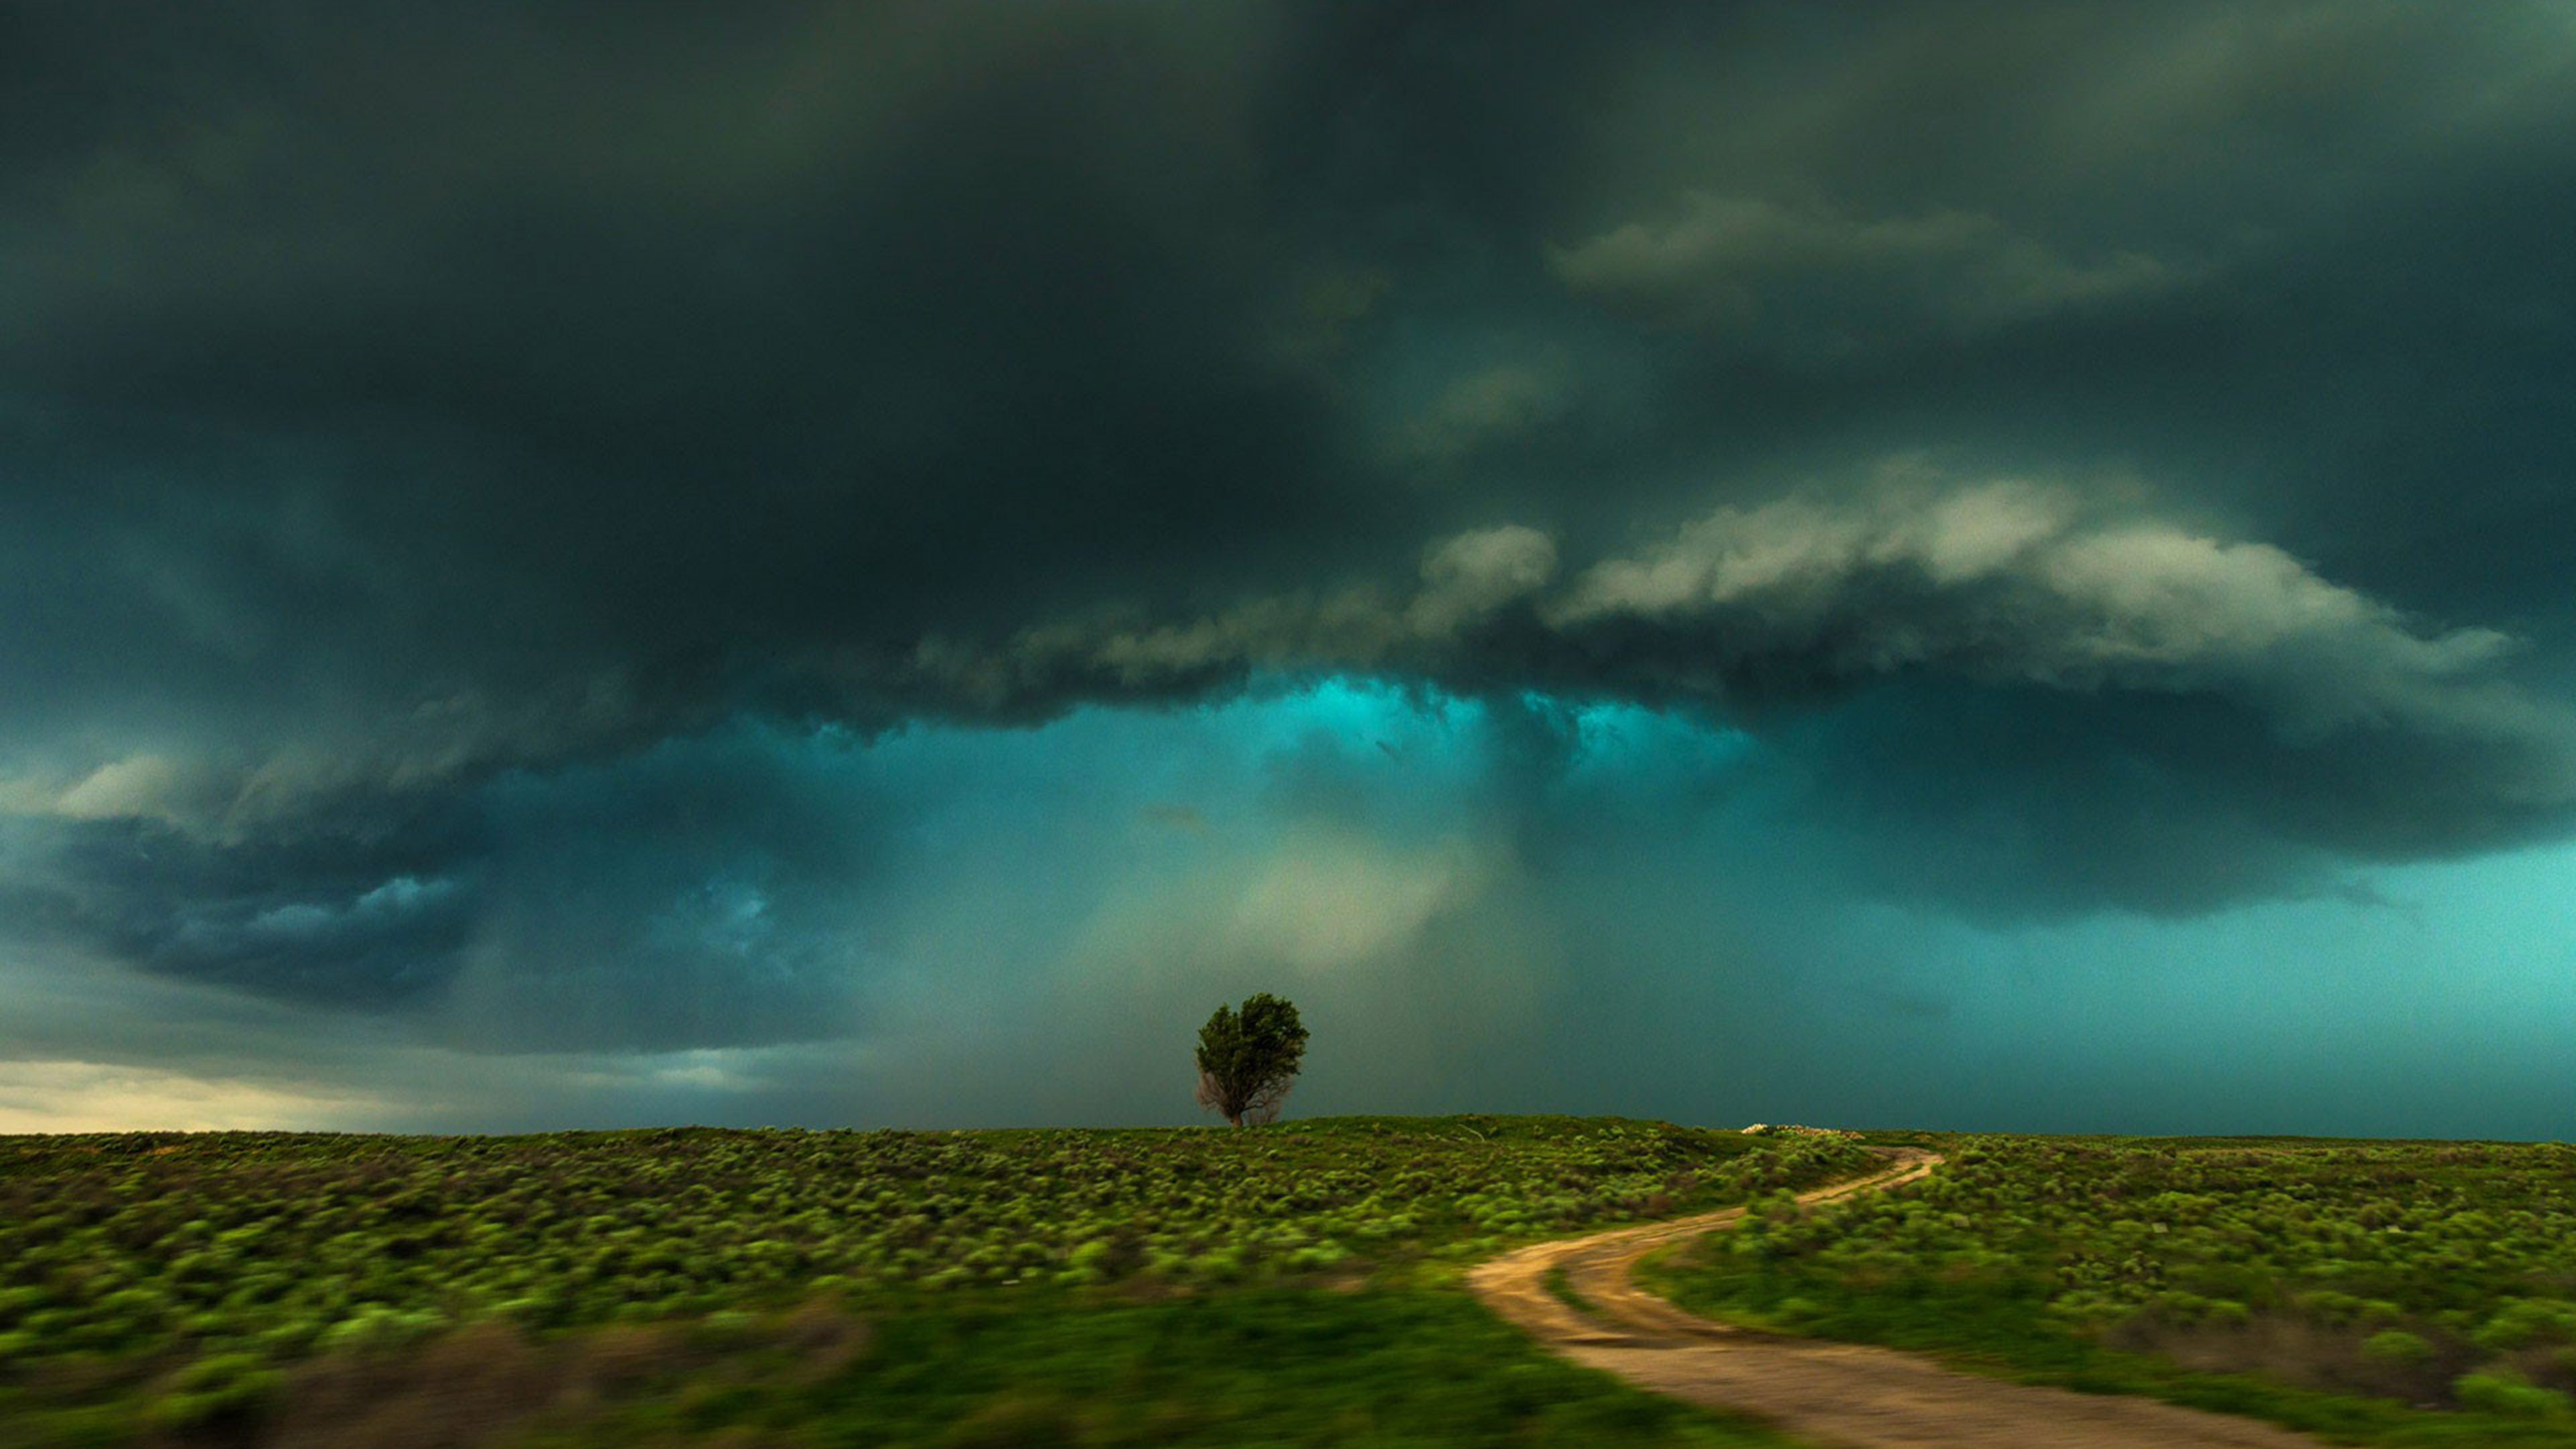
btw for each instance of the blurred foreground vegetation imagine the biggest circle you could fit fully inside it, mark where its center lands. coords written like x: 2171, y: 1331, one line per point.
x: 1294, y: 1284
x: 2369, y: 1292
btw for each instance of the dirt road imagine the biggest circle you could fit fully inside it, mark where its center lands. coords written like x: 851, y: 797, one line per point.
x: 1840, y: 1394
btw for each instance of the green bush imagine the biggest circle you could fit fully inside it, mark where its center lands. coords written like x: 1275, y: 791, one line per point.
x: 2396, y: 1345
x: 2524, y: 1322
x: 2502, y: 1391
x: 220, y: 1389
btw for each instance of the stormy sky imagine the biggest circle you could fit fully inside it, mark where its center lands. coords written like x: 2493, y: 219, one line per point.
x: 1961, y: 565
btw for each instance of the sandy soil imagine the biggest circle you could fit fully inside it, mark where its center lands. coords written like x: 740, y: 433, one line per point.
x: 1840, y: 1394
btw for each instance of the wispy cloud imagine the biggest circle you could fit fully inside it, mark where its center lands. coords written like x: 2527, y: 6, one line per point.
x: 1762, y: 275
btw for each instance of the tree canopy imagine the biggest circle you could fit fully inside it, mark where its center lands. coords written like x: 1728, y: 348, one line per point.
x: 1248, y: 1058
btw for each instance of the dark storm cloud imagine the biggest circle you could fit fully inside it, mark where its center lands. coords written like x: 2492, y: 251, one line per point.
x: 408, y: 425
x: 500, y: 392
x: 701, y: 893
x: 366, y: 923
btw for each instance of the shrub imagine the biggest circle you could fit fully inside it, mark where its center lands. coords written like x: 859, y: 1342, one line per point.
x: 2503, y: 1391
x: 2397, y: 1346
x: 224, y: 1388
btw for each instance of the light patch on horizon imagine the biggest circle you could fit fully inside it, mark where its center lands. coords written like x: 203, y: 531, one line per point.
x: 82, y: 1096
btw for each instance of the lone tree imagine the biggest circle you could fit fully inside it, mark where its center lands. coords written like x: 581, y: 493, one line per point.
x: 1248, y: 1058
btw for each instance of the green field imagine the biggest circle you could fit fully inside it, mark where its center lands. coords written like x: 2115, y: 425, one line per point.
x: 2372, y: 1292
x: 1294, y: 1284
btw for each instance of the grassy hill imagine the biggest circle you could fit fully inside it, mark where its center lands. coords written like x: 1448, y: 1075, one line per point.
x: 1295, y: 1284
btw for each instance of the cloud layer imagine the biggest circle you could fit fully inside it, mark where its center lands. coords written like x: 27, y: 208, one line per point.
x: 1805, y: 601
x: 1821, y: 286
x: 490, y: 569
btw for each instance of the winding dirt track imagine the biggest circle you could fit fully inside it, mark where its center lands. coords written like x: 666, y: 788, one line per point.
x: 1833, y: 1393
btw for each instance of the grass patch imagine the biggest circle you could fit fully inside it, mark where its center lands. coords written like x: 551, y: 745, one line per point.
x: 1561, y: 1288
x: 1261, y: 1366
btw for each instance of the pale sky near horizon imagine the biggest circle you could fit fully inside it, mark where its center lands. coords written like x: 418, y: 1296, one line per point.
x: 1964, y: 565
